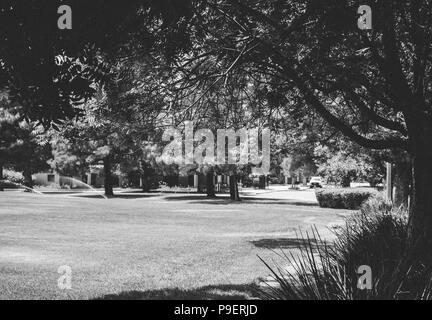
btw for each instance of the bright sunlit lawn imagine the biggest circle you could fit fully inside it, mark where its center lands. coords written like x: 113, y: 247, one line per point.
x: 146, y: 246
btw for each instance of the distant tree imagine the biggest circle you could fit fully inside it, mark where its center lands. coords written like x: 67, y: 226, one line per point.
x: 120, y: 125
x: 32, y: 154
x: 9, y: 128
x: 23, y: 147
x: 93, y: 141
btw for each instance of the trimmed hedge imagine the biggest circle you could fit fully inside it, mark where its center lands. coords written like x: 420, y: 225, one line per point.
x: 7, y: 185
x: 344, y: 198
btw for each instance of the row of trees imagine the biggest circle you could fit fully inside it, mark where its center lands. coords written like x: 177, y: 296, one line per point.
x: 372, y: 86
x: 296, y: 60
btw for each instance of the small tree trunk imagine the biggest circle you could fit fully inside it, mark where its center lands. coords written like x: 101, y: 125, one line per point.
x: 108, y: 184
x: 1, y: 177
x: 144, y: 177
x: 210, y: 184
x: 145, y: 183
x: 28, y: 182
x: 200, y: 186
x: 346, y: 181
x: 402, y: 181
x: 262, y: 182
x: 234, y: 193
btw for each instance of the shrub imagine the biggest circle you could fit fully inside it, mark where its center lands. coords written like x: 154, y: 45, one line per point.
x: 12, y: 179
x: 344, y: 198
x: 7, y: 185
x: 247, y: 182
x: 342, y: 169
x: 377, y: 204
x: 377, y: 239
x: 13, y: 176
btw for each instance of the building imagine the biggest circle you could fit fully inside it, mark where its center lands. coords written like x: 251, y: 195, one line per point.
x: 94, y: 178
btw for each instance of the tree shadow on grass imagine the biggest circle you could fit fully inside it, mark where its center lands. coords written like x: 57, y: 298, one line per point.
x: 154, y: 191
x: 212, y: 292
x: 224, y: 200
x: 280, y: 201
x: 285, y: 243
x: 116, y: 196
x: 133, y: 196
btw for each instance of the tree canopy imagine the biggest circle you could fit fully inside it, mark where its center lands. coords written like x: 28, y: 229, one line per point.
x: 49, y: 71
x: 296, y: 58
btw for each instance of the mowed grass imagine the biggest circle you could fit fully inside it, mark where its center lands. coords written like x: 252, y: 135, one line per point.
x: 142, y: 246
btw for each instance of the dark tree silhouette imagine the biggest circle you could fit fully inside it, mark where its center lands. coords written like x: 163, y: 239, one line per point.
x: 51, y: 72
x: 371, y: 85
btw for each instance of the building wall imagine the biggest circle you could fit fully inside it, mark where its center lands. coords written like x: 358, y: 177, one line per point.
x: 46, y: 178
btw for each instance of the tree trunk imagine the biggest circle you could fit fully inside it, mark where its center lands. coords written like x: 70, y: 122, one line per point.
x: 1, y: 177
x: 402, y: 182
x: 234, y: 193
x: 200, y: 188
x: 421, y: 207
x: 108, y: 183
x: 28, y: 182
x: 420, y: 211
x: 262, y: 182
x: 145, y: 183
x: 144, y: 177
x: 421, y: 203
x: 346, y: 181
x: 210, y: 184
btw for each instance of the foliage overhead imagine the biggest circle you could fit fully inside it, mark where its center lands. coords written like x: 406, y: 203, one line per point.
x: 50, y: 72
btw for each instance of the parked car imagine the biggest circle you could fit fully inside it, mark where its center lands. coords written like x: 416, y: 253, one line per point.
x: 316, y: 182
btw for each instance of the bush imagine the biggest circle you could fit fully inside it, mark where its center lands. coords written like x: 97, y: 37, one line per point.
x: 12, y: 179
x: 344, y: 198
x: 377, y: 204
x: 377, y: 239
x: 247, y: 182
x: 13, y: 176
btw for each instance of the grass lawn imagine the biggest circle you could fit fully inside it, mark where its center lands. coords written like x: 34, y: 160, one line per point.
x: 146, y: 246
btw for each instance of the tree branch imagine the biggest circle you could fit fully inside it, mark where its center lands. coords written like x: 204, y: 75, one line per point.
x: 372, y: 115
x: 339, y: 124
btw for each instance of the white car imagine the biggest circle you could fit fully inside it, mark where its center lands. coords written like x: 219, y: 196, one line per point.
x: 316, y: 182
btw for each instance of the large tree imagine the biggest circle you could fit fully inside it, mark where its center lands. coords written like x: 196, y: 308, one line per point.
x: 371, y: 85
x: 49, y: 71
